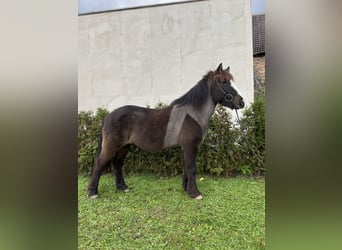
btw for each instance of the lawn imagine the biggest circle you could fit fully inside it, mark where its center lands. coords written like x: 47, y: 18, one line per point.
x: 158, y: 214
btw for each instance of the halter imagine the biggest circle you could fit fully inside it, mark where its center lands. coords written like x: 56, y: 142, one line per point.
x: 227, y: 97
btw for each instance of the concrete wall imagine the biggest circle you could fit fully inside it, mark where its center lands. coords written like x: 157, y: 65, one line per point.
x: 147, y: 55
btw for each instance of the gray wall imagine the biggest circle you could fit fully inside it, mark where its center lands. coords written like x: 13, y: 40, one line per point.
x: 147, y: 55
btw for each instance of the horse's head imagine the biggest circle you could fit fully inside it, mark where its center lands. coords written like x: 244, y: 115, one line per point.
x: 224, y: 91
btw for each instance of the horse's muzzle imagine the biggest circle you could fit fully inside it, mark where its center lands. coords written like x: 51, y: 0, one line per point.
x: 242, y: 103
x: 239, y: 104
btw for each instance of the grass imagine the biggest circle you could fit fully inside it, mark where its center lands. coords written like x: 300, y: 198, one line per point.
x: 158, y: 214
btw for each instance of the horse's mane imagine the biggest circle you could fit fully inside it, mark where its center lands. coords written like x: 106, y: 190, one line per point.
x: 197, y: 95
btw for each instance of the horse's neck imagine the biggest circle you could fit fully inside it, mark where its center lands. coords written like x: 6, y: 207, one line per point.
x: 202, y: 115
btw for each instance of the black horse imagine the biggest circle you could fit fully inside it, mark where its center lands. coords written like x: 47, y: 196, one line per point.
x: 183, y: 124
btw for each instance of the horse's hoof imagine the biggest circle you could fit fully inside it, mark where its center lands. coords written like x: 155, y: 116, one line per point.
x: 126, y: 190
x: 199, y: 197
x: 94, y: 196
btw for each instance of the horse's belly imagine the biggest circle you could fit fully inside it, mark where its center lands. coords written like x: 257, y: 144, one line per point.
x: 151, y: 142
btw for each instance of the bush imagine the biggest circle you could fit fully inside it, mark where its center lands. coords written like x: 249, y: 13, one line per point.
x: 253, y: 127
x: 226, y: 150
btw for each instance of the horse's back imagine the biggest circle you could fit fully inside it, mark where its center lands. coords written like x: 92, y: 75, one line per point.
x: 143, y: 127
x: 128, y: 109
x: 123, y: 118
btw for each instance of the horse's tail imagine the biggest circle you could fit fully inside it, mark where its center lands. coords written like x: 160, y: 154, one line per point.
x: 99, y: 148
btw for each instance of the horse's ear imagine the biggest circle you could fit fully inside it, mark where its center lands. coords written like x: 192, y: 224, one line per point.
x: 228, y: 69
x: 219, y: 68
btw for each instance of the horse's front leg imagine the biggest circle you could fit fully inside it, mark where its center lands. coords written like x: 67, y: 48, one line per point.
x: 189, y: 178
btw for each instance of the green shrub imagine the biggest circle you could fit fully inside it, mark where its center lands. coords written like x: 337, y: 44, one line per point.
x: 226, y: 149
x: 230, y: 150
x: 253, y: 127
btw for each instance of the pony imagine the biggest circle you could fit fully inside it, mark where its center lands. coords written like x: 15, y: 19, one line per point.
x: 183, y: 123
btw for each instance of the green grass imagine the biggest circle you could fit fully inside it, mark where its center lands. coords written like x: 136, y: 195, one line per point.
x: 158, y: 214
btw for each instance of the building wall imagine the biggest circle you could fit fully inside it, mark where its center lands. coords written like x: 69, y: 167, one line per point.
x: 146, y: 55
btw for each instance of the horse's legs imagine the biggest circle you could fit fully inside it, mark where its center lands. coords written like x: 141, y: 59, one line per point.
x: 185, y: 180
x: 108, y: 149
x: 118, y: 162
x: 100, y: 163
x: 190, y: 153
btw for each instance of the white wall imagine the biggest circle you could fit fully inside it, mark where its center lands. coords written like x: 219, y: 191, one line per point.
x: 147, y: 55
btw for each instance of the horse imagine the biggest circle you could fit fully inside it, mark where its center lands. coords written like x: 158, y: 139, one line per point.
x: 183, y: 123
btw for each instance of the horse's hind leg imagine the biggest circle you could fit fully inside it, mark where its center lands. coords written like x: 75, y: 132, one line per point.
x: 108, y: 150
x: 100, y: 163
x: 185, y: 181
x: 118, y: 162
